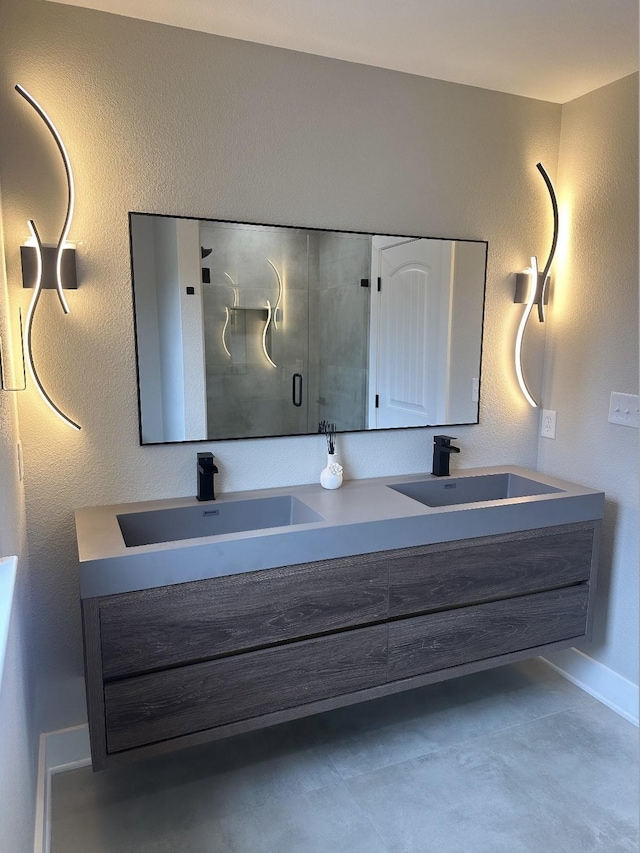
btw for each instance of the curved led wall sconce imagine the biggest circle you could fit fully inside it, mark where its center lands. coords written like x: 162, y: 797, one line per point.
x: 46, y: 267
x: 276, y: 307
x: 236, y: 291
x: 224, y: 331
x: 532, y: 288
x: 227, y: 312
x: 272, y: 314
x: 264, y: 335
x: 533, y: 276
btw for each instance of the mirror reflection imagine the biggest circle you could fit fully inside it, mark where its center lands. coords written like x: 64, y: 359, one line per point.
x: 255, y: 330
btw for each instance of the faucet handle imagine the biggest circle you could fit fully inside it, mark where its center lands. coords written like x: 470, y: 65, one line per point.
x: 205, y: 462
x: 444, y: 440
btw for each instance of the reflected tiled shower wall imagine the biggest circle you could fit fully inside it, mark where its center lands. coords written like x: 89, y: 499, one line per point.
x: 343, y: 320
x: 322, y: 330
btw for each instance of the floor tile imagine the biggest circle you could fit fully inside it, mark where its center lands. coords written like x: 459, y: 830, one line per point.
x: 539, y: 786
x: 162, y: 795
x: 586, y: 762
x: 325, y: 821
x: 442, y: 801
x: 513, y: 760
x: 363, y: 738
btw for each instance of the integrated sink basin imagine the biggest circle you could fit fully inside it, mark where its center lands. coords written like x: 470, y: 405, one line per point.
x: 213, y: 519
x: 136, y: 546
x: 466, y: 490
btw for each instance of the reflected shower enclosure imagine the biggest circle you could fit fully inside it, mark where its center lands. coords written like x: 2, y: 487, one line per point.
x: 253, y: 330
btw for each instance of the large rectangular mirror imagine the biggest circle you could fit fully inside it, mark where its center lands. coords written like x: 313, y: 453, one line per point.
x: 258, y: 330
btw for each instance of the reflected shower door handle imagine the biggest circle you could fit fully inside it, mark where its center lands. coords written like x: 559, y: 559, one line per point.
x: 296, y: 389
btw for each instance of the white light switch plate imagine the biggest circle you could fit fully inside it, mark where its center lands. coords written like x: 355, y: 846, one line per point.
x: 548, y: 425
x: 624, y: 409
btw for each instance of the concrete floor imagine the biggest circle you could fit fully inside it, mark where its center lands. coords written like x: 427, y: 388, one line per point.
x: 511, y: 760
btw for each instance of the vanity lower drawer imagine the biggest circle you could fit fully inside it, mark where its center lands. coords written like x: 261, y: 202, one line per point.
x: 440, y: 640
x: 438, y: 576
x: 188, y: 699
x: 167, y: 626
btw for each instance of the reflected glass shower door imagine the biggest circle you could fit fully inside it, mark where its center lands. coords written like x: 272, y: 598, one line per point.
x: 256, y: 329
x: 339, y: 330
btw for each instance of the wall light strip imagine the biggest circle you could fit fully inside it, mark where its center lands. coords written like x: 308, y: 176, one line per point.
x: 224, y: 331
x: 264, y: 335
x: 554, y: 242
x: 277, y: 305
x: 236, y: 292
x: 533, y: 282
x: 29, y: 350
x: 71, y: 194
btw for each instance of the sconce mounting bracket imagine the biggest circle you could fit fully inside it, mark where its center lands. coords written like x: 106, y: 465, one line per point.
x: 29, y: 259
x: 522, y: 288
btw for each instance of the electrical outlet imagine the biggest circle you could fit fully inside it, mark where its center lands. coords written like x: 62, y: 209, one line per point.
x: 624, y: 409
x: 548, y: 428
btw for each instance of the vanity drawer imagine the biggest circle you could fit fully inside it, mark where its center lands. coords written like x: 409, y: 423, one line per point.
x: 438, y: 576
x: 184, y: 623
x: 437, y: 641
x: 189, y: 699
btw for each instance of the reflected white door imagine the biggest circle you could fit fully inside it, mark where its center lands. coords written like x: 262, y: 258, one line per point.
x: 413, y: 343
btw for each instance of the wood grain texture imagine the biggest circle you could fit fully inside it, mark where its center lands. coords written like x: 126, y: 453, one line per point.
x: 118, y: 759
x: 93, y: 682
x: 433, y: 577
x: 245, y: 688
x: 452, y: 637
x: 188, y: 699
x: 183, y: 623
x: 593, y: 578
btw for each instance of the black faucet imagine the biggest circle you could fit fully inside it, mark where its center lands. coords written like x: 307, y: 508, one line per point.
x: 206, y: 470
x: 442, y: 449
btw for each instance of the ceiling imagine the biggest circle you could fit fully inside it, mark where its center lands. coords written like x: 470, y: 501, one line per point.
x: 554, y: 50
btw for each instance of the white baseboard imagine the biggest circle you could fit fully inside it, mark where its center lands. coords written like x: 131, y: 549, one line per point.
x: 610, y: 688
x: 65, y: 749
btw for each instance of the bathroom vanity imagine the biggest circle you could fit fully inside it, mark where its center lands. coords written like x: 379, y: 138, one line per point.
x: 206, y: 620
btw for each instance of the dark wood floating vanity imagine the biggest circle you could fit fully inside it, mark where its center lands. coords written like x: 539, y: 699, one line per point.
x: 185, y: 663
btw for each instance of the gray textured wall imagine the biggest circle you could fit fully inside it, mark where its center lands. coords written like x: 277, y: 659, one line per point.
x: 593, y: 350
x: 172, y: 121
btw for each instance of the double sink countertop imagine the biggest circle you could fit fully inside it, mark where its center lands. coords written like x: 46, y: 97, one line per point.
x: 363, y: 516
